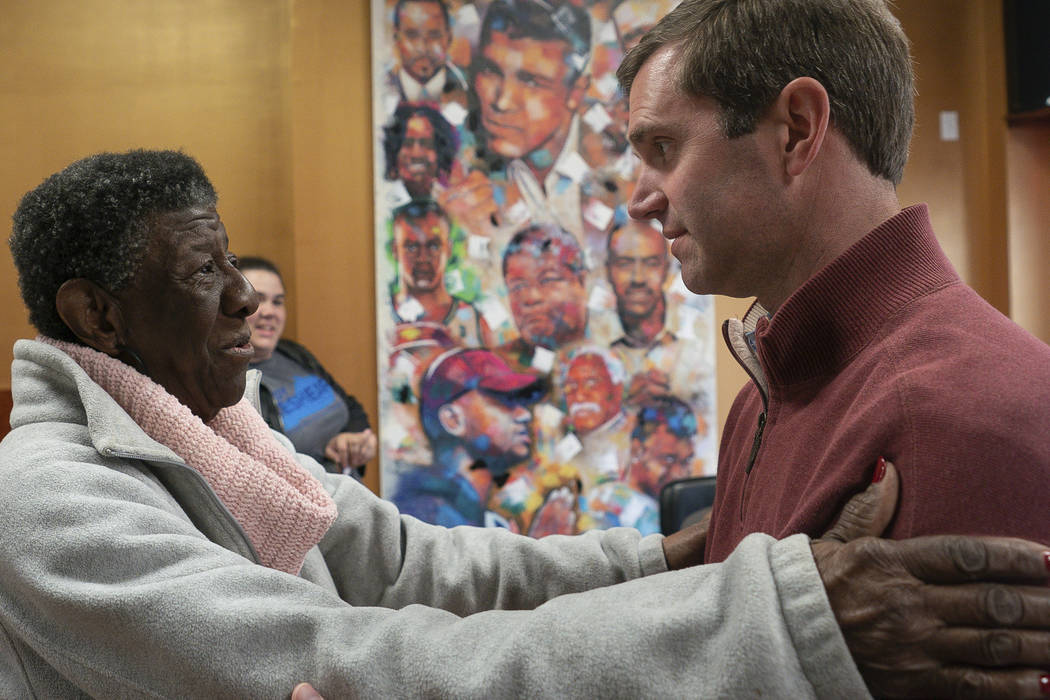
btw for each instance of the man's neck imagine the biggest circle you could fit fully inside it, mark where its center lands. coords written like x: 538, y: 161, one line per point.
x: 839, y: 212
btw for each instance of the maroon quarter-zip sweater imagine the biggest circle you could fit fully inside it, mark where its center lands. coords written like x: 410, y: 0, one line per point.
x: 886, y: 352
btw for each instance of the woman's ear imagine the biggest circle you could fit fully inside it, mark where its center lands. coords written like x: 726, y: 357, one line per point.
x: 803, y: 113
x: 92, y: 313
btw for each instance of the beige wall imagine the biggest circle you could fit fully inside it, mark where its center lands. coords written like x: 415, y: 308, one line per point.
x: 273, y: 96
x: 211, y: 78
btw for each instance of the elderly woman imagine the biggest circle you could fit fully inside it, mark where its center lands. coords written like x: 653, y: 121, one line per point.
x: 297, y: 395
x: 159, y: 540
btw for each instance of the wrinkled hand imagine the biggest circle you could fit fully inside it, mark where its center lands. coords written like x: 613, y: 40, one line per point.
x: 305, y: 691
x: 934, y: 616
x: 351, y: 449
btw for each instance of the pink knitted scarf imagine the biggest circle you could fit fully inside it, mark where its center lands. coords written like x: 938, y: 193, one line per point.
x: 283, y: 509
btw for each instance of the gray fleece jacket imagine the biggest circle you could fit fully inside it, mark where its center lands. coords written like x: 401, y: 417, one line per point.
x: 122, y: 575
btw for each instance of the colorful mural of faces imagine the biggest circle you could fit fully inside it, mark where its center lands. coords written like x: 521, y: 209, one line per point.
x: 529, y: 326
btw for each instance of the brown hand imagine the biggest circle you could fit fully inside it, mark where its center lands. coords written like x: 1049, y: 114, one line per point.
x: 941, y: 616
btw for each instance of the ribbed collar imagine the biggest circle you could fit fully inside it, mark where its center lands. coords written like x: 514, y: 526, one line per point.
x: 838, y: 311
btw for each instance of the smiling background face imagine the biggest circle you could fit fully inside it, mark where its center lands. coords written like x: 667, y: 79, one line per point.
x: 417, y: 159
x: 591, y: 396
x: 267, y: 323
x: 185, y: 312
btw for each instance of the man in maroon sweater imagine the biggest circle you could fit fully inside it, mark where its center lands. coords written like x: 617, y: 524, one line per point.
x: 772, y: 134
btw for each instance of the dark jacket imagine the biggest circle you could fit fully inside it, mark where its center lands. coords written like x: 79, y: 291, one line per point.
x: 295, y: 352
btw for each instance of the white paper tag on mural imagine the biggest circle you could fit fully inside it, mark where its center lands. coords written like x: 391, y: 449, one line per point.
x: 598, y: 214
x: 455, y: 113
x: 574, y: 167
x: 494, y: 312
x: 478, y: 247
x: 410, y: 310
x: 626, y: 164
x: 390, y: 103
x: 467, y: 16
x: 518, y: 213
x: 597, y: 118
x: 393, y: 434
x: 678, y: 288
x: 404, y: 366
x: 454, y: 281
x: 516, y: 491
x: 687, y: 317
x: 567, y: 448
x: 601, y: 298
x: 608, y: 85
x: 607, y: 34
x: 608, y: 464
x: 397, y: 194
x: 547, y: 415
x: 542, y: 359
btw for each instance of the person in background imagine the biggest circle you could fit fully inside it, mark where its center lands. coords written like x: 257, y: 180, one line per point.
x: 298, y: 396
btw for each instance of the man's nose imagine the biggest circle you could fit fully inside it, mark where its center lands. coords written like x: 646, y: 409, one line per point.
x: 647, y: 201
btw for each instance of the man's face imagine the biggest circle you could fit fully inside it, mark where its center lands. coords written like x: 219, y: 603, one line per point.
x: 637, y: 267
x: 546, y: 299
x: 421, y: 247
x: 590, y: 394
x: 186, y: 312
x: 663, y: 457
x: 417, y: 159
x: 716, y: 197
x: 422, y: 39
x: 525, y: 104
x: 495, y: 430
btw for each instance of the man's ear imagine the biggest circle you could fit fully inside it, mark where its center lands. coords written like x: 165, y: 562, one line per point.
x: 801, y: 114
x: 452, y: 419
x: 92, y: 313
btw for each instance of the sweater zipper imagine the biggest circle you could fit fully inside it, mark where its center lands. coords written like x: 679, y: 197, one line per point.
x: 757, y: 443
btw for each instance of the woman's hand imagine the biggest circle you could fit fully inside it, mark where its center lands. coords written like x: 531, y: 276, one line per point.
x: 352, y: 449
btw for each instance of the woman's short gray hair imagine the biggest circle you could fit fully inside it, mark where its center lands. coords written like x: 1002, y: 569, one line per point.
x: 92, y: 220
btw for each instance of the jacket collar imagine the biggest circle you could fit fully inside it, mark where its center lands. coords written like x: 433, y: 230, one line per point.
x: 841, y: 309
x: 111, y: 430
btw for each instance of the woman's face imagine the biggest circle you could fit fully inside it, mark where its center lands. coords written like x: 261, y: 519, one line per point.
x: 267, y: 323
x: 185, y: 312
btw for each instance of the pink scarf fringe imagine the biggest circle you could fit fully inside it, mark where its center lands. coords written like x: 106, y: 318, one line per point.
x: 283, y: 509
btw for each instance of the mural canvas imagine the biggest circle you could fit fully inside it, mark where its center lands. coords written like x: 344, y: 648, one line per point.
x: 541, y: 365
